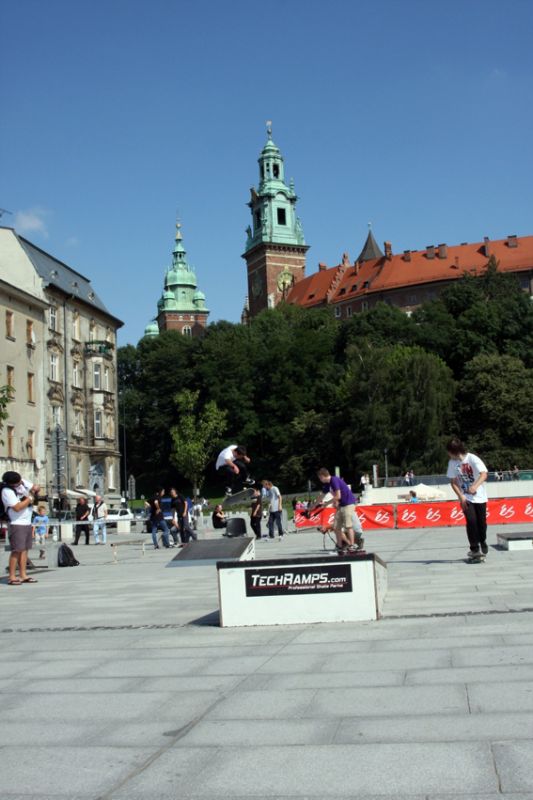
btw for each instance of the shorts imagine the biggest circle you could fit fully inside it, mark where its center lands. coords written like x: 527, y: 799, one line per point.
x: 344, y: 517
x: 20, y: 538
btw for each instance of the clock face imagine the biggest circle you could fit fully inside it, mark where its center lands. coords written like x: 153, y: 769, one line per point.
x: 257, y: 285
x: 285, y: 280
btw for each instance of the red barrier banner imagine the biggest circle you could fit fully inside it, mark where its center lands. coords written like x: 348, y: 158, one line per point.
x: 322, y: 518
x: 429, y: 515
x: 439, y: 514
x: 511, y: 509
x: 375, y: 517
x: 370, y: 517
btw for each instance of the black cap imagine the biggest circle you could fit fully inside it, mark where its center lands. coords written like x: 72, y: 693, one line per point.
x: 11, y: 478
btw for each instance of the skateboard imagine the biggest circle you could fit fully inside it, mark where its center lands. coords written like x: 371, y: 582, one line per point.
x: 238, y: 498
x: 480, y: 559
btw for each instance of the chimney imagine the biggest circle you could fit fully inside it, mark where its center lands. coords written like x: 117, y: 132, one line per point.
x: 406, y: 255
x: 388, y: 250
x: 430, y: 251
x: 443, y: 251
x: 512, y: 241
x: 486, y: 246
x: 321, y: 266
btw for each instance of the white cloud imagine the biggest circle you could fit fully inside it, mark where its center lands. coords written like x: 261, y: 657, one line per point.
x: 32, y: 220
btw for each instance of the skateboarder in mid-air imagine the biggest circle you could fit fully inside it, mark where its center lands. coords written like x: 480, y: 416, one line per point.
x: 232, y: 465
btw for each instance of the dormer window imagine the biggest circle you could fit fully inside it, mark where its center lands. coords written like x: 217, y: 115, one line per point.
x: 275, y: 170
x: 342, y: 291
x: 282, y: 217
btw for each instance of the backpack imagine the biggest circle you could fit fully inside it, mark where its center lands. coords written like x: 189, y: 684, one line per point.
x: 3, y: 510
x: 65, y: 557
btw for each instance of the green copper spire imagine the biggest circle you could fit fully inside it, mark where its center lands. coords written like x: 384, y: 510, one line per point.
x: 180, y: 295
x: 273, y: 203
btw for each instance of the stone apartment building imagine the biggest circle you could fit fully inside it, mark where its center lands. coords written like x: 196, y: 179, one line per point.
x: 58, y: 352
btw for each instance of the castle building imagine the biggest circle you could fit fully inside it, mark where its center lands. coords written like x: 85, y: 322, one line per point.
x: 181, y: 306
x: 410, y: 278
x: 275, y: 246
x: 58, y: 355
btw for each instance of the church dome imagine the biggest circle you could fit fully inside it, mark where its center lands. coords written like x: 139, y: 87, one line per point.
x: 172, y: 278
x: 152, y: 329
x: 184, y: 276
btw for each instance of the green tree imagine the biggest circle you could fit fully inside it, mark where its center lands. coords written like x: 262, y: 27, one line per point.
x: 398, y: 398
x: 486, y: 313
x: 196, y: 436
x: 494, y: 409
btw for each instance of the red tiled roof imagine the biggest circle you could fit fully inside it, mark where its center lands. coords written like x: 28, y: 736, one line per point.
x: 382, y: 274
x: 313, y: 289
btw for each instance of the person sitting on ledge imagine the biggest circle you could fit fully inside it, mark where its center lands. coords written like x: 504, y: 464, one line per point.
x: 218, y: 518
x: 412, y: 497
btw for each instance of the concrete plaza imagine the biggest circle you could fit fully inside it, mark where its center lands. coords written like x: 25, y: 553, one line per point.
x: 117, y: 683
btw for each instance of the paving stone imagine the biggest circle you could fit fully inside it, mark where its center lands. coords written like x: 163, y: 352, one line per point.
x: 513, y: 654
x: 392, y: 700
x: 266, y: 704
x: 516, y: 696
x: 514, y: 762
x: 241, y: 733
x: 435, y: 728
x: 27, y: 770
x: 470, y: 675
x: 313, y: 770
x: 331, y: 680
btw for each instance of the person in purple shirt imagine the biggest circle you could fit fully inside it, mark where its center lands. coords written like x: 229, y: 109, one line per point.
x: 344, y: 502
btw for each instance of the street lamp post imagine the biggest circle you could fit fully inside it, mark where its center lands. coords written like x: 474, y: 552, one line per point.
x: 124, y: 452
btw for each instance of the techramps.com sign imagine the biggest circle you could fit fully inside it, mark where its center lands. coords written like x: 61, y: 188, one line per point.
x: 327, y: 579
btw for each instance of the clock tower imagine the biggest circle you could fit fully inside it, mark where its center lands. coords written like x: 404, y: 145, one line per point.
x: 275, y: 245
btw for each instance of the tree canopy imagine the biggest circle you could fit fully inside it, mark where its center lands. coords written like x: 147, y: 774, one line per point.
x: 302, y: 389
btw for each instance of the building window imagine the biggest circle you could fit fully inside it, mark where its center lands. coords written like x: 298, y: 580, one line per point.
x: 79, y: 474
x: 282, y: 217
x: 10, y: 376
x: 77, y: 422
x: 52, y: 318
x: 10, y: 325
x: 31, y: 388
x: 30, y: 334
x: 53, y: 367
x: 275, y: 170
x: 98, y: 424
x: 76, y: 334
x: 412, y: 299
x: 364, y: 305
x: 111, y: 476
x: 337, y: 312
x: 106, y: 379
x: 10, y: 441
x: 349, y: 311
x: 257, y: 219
x: 56, y: 416
x: 187, y: 331
x: 76, y: 375
x: 97, y: 376
x: 92, y: 331
x: 30, y: 444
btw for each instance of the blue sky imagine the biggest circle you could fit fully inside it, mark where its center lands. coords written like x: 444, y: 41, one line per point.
x: 416, y: 115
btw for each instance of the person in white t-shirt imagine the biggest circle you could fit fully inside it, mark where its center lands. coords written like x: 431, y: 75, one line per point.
x: 232, y: 463
x: 276, y: 506
x: 17, y: 497
x: 468, y: 474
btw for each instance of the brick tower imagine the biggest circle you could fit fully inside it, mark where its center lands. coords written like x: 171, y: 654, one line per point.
x: 275, y: 247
